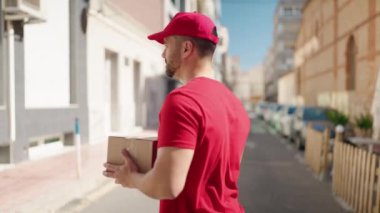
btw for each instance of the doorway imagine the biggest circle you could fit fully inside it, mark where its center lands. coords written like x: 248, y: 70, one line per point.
x: 112, y: 117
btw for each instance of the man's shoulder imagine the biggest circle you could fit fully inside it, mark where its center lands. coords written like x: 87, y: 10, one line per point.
x: 181, y: 96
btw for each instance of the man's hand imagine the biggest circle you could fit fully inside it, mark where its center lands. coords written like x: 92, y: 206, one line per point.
x: 123, y: 174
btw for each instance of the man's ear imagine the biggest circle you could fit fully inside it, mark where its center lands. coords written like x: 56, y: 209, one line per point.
x: 187, y: 48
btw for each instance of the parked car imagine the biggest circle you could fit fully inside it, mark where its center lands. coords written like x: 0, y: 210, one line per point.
x: 260, y: 109
x: 273, y: 108
x: 277, y: 115
x: 305, y: 115
x: 285, y: 120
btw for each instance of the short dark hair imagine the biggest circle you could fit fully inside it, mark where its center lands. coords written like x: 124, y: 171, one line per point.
x: 204, y: 47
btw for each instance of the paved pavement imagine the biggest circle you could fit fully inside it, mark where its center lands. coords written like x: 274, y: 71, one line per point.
x: 273, y: 179
x: 116, y: 200
x: 47, y: 184
x: 50, y: 184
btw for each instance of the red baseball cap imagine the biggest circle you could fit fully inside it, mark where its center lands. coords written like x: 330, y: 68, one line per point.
x: 188, y: 24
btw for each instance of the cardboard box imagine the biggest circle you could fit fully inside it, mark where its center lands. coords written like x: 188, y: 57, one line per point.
x: 142, y: 150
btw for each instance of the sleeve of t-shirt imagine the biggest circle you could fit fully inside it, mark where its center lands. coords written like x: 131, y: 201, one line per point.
x: 179, y: 122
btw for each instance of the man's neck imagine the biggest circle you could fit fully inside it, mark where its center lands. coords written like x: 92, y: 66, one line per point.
x: 203, y: 68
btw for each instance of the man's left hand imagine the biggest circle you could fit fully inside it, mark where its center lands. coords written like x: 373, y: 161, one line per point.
x: 123, y: 174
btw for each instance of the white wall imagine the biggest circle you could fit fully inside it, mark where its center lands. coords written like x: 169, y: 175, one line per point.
x: 127, y: 42
x: 250, y: 84
x: 47, y: 74
x: 257, y: 78
x: 375, y: 109
x: 243, y: 86
x: 287, y: 89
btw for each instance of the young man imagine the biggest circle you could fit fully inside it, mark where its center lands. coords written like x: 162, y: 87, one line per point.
x: 202, y: 132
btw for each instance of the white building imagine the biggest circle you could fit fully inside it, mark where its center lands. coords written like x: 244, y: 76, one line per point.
x: 120, y: 58
x: 249, y: 87
x: 79, y: 60
x: 287, y: 89
x: 41, y: 54
x: 89, y: 60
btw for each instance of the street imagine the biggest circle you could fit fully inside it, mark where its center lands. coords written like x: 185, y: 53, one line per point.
x: 273, y: 179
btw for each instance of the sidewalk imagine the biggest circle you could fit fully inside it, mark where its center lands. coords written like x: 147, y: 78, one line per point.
x: 47, y: 184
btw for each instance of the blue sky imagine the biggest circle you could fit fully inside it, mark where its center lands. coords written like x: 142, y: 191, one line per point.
x: 250, y: 25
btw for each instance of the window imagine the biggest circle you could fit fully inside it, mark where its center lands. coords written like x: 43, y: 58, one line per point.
x: 291, y: 110
x: 296, y: 11
x: 112, y: 90
x: 287, y: 11
x: 351, y: 64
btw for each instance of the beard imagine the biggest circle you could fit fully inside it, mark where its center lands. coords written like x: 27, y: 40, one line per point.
x: 172, y: 65
x: 169, y: 71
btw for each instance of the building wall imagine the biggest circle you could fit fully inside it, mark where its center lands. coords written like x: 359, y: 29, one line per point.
x: 127, y: 43
x: 330, y: 24
x: 242, y: 88
x: 47, y: 81
x: 287, y: 89
x: 249, y: 87
x: 232, y: 70
x: 258, y: 84
x: 143, y: 13
x: 269, y: 75
x: 4, y: 132
x: 54, y: 118
x: 287, y: 19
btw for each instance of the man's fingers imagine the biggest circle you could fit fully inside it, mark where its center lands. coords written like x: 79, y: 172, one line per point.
x: 110, y: 167
x: 109, y: 174
x: 126, y: 156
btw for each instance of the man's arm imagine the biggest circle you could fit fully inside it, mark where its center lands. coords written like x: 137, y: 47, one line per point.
x: 167, y: 178
x: 177, y: 138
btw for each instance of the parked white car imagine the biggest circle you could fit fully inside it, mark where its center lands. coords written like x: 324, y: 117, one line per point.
x: 272, y: 109
x: 286, y: 121
x: 260, y: 109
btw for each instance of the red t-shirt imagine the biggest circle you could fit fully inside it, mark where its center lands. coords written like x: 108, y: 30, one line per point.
x: 205, y: 116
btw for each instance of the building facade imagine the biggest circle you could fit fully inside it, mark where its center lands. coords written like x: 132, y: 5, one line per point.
x: 286, y: 23
x: 120, y: 59
x: 86, y: 61
x: 287, y: 89
x: 338, y: 54
x: 43, y: 78
x: 212, y: 8
x: 249, y: 86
